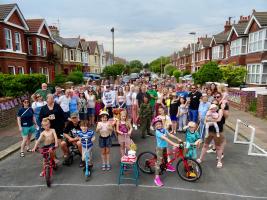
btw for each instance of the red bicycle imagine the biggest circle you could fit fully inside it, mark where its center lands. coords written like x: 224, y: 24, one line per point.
x: 48, y: 165
x: 188, y: 169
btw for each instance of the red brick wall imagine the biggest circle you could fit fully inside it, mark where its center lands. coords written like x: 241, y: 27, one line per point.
x: 256, y: 57
x: 241, y: 99
x: 15, y: 19
x: 261, y: 106
x: 254, y: 27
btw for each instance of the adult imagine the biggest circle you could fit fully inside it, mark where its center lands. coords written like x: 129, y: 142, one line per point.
x: 109, y: 100
x: 64, y: 102
x: 26, y: 121
x: 153, y: 96
x: 219, y: 141
x: 120, y: 98
x: 202, y: 111
x: 58, y: 93
x: 70, y: 138
x: 82, y: 105
x: 135, y: 105
x: 128, y: 96
x: 44, y: 91
x: 55, y: 114
x: 36, y: 106
x: 213, y: 88
x: 98, y: 104
x: 91, y: 102
x: 141, y: 94
x: 73, y: 105
x: 194, y: 100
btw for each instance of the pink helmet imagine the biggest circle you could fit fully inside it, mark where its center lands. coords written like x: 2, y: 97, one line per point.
x: 155, y: 120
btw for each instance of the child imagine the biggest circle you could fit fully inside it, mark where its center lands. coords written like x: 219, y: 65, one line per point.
x: 210, y: 117
x: 162, y: 144
x: 192, y: 140
x: 104, y: 128
x: 124, y: 130
x: 145, y: 115
x: 49, y: 138
x: 86, y: 145
x: 82, y: 105
x: 182, y: 113
x: 166, y: 120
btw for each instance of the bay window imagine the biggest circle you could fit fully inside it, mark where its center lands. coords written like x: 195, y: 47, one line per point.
x: 38, y: 44
x: 257, y: 73
x: 217, y: 52
x: 8, y: 39
x: 71, y: 55
x: 30, y: 49
x: 239, y: 47
x: 66, y: 54
x: 44, y: 48
x: 257, y: 41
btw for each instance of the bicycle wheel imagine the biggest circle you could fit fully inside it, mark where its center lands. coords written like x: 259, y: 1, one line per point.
x: 47, y: 175
x: 191, y: 173
x: 146, y: 162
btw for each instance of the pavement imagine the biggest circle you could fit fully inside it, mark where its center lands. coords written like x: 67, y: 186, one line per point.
x: 242, y: 177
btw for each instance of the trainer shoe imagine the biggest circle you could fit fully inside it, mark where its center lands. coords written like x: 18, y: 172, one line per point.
x: 211, y: 151
x: 158, y: 182
x: 170, y: 168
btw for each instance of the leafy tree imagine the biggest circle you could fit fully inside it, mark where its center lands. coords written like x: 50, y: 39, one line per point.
x: 135, y: 70
x: 169, y: 69
x: 60, y: 79
x: 113, y: 70
x: 155, y: 65
x: 208, y: 72
x: 146, y: 66
x: 186, y: 72
x: 135, y: 64
x: 233, y: 75
x: 76, y: 77
x: 177, y: 73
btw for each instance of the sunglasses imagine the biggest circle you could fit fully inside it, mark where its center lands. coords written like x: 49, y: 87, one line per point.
x: 217, y: 97
x: 193, y: 88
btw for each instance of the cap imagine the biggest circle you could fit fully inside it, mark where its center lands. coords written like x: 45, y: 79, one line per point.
x: 73, y: 115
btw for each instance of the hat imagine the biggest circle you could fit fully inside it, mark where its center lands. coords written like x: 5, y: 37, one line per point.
x: 74, y: 115
x: 156, y: 120
x: 213, y: 106
x: 103, y: 112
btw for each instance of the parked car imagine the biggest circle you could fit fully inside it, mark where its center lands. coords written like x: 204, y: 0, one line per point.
x: 126, y: 79
x: 91, y: 76
x: 134, y: 76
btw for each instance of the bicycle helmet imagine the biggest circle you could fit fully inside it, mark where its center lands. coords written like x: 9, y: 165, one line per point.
x: 156, y: 120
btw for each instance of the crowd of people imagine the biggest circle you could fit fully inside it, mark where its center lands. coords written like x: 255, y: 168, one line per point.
x: 161, y: 108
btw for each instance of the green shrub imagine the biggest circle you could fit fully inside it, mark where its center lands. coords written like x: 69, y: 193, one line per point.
x: 60, y: 79
x: 186, y: 72
x: 169, y: 69
x: 177, y: 73
x: 234, y: 76
x: 253, y: 106
x: 76, y: 77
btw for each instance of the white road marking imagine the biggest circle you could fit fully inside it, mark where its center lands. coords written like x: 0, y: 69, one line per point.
x: 139, y: 186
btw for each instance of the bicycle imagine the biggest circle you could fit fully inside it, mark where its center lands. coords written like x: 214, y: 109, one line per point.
x: 188, y: 169
x: 48, y: 165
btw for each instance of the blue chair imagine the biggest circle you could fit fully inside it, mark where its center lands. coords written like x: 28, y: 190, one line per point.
x: 133, y: 174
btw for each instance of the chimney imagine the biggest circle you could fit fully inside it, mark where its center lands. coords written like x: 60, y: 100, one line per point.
x: 253, y: 11
x: 54, y: 30
x: 244, y: 19
x: 227, y: 26
x: 206, y: 35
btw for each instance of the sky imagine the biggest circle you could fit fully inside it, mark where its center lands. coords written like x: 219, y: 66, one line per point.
x: 144, y: 29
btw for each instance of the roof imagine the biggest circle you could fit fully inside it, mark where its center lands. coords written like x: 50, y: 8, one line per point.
x: 92, y: 46
x: 240, y: 28
x: 261, y: 17
x: 221, y: 37
x: 5, y: 9
x: 34, y: 25
x: 69, y: 42
x: 205, y: 41
x: 84, y: 44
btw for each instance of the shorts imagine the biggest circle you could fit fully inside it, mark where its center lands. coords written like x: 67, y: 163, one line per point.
x: 217, y: 140
x: 52, y: 145
x: 83, y: 116
x: 90, y: 111
x: 105, y: 142
x: 89, y: 150
x: 27, y: 130
x: 124, y: 139
x: 67, y: 142
x: 173, y: 118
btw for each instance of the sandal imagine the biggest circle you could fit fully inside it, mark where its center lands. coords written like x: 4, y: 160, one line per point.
x: 219, y: 165
x: 199, y: 161
x: 29, y: 150
x: 103, y: 167
x: 108, y: 167
x: 22, y: 154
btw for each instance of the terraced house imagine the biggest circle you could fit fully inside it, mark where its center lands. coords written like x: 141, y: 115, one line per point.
x: 243, y: 43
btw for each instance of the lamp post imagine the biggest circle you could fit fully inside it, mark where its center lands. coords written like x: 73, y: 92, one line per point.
x: 194, y: 51
x: 112, y: 31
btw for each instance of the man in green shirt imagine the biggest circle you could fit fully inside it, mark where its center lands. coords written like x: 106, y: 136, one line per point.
x: 44, y: 91
x: 153, y: 96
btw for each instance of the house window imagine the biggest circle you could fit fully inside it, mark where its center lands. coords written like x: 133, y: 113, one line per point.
x: 257, y: 41
x: 78, y: 55
x: 45, y: 71
x: 95, y: 59
x: 11, y: 70
x: 66, y: 54
x: 17, y: 41
x: 239, y: 47
x: 38, y: 44
x: 71, y: 55
x: 44, y: 48
x: 264, y: 74
x: 217, y: 52
x: 8, y: 39
x: 254, y: 73
x: 30, y: 50
x: 20, y: 70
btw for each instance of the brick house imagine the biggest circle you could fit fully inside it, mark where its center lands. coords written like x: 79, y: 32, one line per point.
x: 185, y: 59
x: 13, y: 50
x: 102, y: 57
x: 204, y: 50
x: 256, y: 58
x: 94, y: 56
x: 174, y: 59
x: 40, y: 48
x: 109, y: 58
x: 220, y: 46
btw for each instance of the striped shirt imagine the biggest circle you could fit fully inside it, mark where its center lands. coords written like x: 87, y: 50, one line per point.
x: 88, y: 135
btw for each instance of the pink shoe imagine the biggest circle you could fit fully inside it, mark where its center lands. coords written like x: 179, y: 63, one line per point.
x: 158, y: 182
x: 170, y: 168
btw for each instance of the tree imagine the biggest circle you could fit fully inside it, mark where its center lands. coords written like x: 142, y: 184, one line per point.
x: 186, y: 72
x: 135, y: 70
x: 169, y: 69
x: 136, y: 64
x: 76, y: 77
x: 177, y: 73
x: 233, y: 75
x: 146, y: 66
x: 155, y: 65
x: 209, y: 72
x: 113, y: 70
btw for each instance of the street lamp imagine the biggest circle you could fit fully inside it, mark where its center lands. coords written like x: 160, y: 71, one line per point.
x: 112, y: 31
x: 194, y: 51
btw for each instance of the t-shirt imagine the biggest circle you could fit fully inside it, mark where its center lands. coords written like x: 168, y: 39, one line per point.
x: 160, y: 142
x: 73, y: 106
x: 220, y: 123
x: 72, y: 129
x: 140, y: 98
x: 26, y: 116
x: 166, y: 121
x: 64, y: 103
x: 182, y: 94
x: 174, y: 108
x: 87, y: 135
x: 203, y: 108
x: 191, y: 137
x: 194, y: 100
x: 43, y: 93
x: 152, y: 100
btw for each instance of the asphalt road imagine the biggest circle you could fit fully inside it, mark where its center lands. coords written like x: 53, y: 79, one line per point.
x: 242, y: 177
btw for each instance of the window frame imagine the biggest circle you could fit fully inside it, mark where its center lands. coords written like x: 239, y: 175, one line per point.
x: 44, y: 48
x: 13, y: 69
x: 18, y: 42
x: 8, y: 39
x: 255, y: 43
x: 38, y: 47
x: 20, y: 67
x: 30, y: 46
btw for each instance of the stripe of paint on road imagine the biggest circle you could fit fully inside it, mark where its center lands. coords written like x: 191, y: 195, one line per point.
x: 140, y: 186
